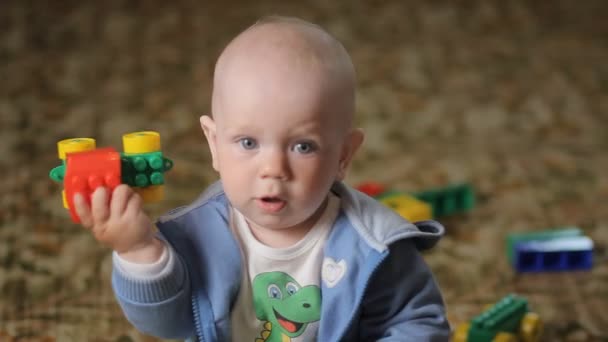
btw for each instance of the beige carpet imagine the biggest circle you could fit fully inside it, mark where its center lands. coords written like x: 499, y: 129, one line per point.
x: 511, y: 96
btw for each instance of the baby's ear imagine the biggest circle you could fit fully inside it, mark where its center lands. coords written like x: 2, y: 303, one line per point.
x: 208, y: 126
x: 351, y: 144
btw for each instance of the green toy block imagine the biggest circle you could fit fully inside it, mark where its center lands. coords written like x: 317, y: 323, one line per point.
x: 144, y: 169
x: 58, y: 172
x: 449, y: 200
x: 504, y: 316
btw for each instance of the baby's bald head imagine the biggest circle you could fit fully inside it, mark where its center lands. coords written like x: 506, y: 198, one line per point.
x: 283, y: 57
x: 283, y: 103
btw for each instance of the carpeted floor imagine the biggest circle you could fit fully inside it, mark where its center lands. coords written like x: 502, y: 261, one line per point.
x: 511, y: 97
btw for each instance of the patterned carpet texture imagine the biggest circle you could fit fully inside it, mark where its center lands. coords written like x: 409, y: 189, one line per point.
x: 508, y: 96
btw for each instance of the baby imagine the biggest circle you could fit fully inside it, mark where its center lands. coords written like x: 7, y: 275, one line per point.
x: 280, y: 249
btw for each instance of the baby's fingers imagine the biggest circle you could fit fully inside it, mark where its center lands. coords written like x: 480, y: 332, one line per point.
x: 120, y: 199
x: 83, y: 210
x: 100, y: 206
x: 134, y: 206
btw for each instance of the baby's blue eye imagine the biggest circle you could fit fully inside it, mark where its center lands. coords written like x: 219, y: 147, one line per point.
x: 274, y: 292
x: 304, y: 147
x: 248, y: 143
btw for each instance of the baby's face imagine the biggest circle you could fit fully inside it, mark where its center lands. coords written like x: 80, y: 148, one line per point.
x: 277, y: 146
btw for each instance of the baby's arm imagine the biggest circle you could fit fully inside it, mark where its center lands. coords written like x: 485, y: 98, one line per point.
x: 403, y: 302
x: 149, y: 280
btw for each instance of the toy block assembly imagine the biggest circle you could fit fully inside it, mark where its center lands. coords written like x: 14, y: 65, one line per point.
x: 85, y: 167
x: 426, y: 204
x: 565, y: 249
x: 510, y: 319
x: 405, y: 205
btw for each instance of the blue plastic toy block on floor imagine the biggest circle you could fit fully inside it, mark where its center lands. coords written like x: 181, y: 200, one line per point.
x: 560, y: 254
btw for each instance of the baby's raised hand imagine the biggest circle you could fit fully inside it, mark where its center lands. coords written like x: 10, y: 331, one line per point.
x: 118, y: 221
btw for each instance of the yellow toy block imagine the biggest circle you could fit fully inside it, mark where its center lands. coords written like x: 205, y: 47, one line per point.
x: 408, y: 207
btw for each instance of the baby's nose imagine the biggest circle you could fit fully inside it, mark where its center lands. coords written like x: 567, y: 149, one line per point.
x: 275, y: 165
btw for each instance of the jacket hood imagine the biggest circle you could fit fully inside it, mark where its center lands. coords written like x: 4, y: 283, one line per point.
x: 379, y: 225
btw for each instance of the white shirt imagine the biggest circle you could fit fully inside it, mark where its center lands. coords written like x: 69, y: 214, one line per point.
x: 281, y: 282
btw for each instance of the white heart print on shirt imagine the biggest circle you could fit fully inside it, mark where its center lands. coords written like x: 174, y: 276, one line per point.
x: 332, y: 271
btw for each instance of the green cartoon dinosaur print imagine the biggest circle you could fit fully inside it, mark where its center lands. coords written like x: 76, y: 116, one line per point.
x: 285, y: 307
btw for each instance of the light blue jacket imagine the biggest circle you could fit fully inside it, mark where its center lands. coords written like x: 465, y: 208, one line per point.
x: 386, y: 294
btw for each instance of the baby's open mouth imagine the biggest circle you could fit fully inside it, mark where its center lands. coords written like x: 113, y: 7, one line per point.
x: 271, y: 204
x: 271, y: 199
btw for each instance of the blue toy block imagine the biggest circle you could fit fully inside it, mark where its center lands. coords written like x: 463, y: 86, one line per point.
x: 514, y: 238
x: 561, y: 254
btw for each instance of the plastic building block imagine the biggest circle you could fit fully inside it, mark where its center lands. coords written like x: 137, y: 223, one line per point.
x: 565, y: 249
x: 449, y: 200
x: 563, y: 254
x: 63, y: 148
x: 442, y: 201
x: 515, y: 238
x: 407, y: 206
x: 84, y: 168
x: 371, y: 188
x: 86, y: 171
x: 508, y: 320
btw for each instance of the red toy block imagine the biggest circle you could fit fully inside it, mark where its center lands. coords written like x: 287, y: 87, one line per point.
x: 88, y: 170
x: 371, y: 189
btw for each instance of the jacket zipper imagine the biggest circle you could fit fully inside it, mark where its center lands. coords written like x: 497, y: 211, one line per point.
x: 197, y: 318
